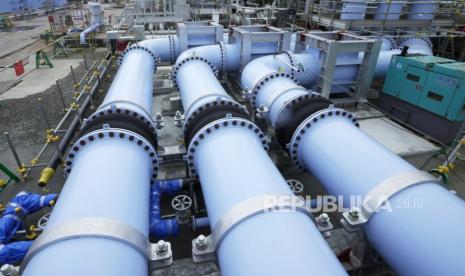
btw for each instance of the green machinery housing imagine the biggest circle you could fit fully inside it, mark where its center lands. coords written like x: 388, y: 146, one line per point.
x: 427, y: 93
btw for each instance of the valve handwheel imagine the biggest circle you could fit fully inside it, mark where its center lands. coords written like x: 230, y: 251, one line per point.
x: 295, y: 185
x: 181, y: 202
x: 42, y: 223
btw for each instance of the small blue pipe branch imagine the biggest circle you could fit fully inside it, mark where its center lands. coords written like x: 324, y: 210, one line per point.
x: 161, y: 228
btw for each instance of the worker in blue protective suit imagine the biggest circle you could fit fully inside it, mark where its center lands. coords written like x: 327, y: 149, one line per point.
x: 25, y: 203
x: 14, y: 252
x: 22, y: 204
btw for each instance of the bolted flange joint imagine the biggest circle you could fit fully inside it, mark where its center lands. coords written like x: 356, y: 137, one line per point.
x: 306, y: 125
x: 228, y: 122
x: 113, y: 133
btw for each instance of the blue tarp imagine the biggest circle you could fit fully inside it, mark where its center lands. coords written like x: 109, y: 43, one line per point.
x: 14, y: 252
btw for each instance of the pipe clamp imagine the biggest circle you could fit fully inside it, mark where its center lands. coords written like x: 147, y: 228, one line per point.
x: 385, y: 190
x: 101, y: 228
x: 243, y: 211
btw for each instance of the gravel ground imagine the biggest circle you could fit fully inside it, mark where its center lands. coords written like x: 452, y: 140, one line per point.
x: 23, y: 119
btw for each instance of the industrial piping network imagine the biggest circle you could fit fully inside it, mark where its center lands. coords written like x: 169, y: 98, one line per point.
x: 96, y: 11
x: 324, y: 140
x: 228, y: 154
x: 113, y: 228
x: 95, y: 224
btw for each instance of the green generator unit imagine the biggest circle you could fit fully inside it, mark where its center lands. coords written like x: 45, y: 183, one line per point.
x: 427, y: 93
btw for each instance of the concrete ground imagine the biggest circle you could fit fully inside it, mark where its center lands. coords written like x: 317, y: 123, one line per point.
x: 22, y: 39
x: 38, y: 80
x: 21, y: 116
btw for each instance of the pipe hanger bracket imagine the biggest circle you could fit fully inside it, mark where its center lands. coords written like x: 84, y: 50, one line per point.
x: 383, y: 192
x: 101, y: 228
x: 249, y: 208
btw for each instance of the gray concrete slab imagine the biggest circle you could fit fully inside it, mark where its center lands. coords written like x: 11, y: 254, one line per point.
x: 24, y: 34
x: 39, y: 79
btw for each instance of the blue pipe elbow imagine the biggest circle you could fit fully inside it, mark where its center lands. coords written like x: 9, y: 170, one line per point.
x: 161, y: 228
x: 170, y: 186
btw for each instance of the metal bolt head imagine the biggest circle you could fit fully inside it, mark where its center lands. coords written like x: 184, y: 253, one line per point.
x: 354, y: 212
x: 7, y: 270
x: 323, y: 218
x: 201, y: 242
x: 162, y: 247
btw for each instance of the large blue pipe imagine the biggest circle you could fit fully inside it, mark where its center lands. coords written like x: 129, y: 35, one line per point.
x: 104, y: 172
x: 110, y: 173
x: 304, y: 68
x: 422, y: 10
x: 388, y: 10
x: 353, y: 9
x: 350, y: 163
x: 233, y: 167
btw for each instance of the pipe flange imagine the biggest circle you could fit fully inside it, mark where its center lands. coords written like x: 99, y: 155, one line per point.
x: 297, y: 112
x: 404, y: 40
x: 112, y: 104
x: 263, y: 82
x: 228, y: 122
x: 121, y: 110
x: 172, y: 48
x: 176, y: 68
x: 224, y: 57
x: 146, y: 123
x: 113, y: 133
x: 155, y: 57
x: 211, y: 111
x: 311, y: 121
x: 289, y: 106
x: 390, y: 40
x: 219, y: 101
x: 292, y: 63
